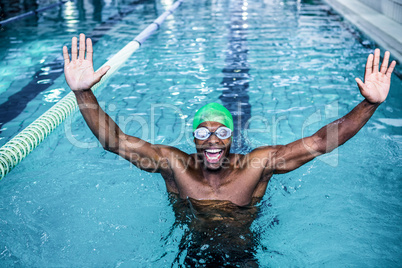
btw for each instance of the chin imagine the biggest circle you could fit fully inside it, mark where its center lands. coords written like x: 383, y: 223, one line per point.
x: 213, y: 166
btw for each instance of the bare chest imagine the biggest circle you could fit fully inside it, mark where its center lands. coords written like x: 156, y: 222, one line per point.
x: 232, y: 185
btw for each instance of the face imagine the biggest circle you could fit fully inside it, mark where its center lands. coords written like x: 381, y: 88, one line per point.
x: 213, y: 150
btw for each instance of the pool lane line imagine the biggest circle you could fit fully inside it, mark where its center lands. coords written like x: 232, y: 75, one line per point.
x: 14, y: 151
x: 236, y: 76
x: 34, y: 12
x: 17, y: 102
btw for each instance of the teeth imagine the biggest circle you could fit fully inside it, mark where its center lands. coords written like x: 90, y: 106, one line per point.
x: 213, y: 158
x: 213, y: 150
x: 216, y: 152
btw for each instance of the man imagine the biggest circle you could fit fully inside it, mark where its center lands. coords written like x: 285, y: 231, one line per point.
x: 213, y: 173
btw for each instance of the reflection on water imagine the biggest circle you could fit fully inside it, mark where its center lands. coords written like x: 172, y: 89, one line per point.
x: 74, y: 16
x: 217, y: 233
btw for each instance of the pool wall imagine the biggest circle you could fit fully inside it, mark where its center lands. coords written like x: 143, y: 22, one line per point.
x: 375, y: 19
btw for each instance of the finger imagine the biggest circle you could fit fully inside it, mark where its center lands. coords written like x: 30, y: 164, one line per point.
x: 369, y: 66
x: 100, y: 73
x: 390, y: 69
x: 360, y: 84
x: 376, y: 62
x: 74, y: 48
x: 65, y: 55
x: 385, y: 61
x: 89, y: 49
x: 81, y: 55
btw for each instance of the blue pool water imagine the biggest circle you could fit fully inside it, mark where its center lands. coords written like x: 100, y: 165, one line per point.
x: 289, y: 66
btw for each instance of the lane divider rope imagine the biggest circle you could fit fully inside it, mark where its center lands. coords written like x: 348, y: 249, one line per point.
x: 15, y: 150
x: 31, y: 13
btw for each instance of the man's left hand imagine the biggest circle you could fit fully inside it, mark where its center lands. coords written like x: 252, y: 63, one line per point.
x: 376, y: 82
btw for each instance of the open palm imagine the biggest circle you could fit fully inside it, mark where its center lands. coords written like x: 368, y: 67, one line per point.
x: 79, y: 71
x: 376, y: 82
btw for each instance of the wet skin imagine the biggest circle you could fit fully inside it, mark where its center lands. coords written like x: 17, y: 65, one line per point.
x: 213, y: 174
x: 233, y: 177
x: 217, y: 176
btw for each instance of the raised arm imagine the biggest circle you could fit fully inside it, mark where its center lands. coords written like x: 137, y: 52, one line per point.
x: 80, y: 77
x: 375, y: 90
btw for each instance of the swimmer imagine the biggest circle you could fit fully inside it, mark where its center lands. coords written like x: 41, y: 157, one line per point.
x: 207, y: 180
x: 213, y: 173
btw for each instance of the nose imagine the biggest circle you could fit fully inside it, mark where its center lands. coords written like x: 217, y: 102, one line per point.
x: 213, y: 139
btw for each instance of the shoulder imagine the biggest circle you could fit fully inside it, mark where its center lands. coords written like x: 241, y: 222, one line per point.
x: 169, y: 151
x: 263, y: 153
x: 169, y: 156
x: 260, y: 158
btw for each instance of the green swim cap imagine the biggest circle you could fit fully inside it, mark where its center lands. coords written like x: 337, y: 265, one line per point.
x: 213, y: 112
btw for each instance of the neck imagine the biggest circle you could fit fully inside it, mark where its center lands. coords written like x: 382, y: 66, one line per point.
x: 215, y: 177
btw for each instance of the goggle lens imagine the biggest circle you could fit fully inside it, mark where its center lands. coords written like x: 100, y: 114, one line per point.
x: 223, y: 133
x: 202, y: 133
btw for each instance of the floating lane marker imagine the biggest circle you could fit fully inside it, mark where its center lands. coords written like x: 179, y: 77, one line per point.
x: 31, y: 13
x: 15, y: 150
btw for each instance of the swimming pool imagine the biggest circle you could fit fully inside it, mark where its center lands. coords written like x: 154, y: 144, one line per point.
x: 70, y: 203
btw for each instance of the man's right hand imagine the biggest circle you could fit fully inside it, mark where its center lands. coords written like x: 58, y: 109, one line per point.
x: 79, y: 71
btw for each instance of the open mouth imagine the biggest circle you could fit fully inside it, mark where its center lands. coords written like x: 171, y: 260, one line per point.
x: 213, y: 155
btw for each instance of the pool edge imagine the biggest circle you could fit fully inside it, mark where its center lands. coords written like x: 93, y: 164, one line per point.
x: 376, y: 25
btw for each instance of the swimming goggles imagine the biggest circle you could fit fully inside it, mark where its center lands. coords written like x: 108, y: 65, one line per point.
x: 203, y: 133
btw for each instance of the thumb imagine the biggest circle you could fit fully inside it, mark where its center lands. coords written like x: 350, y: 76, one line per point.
x: 360, y: 84
x: 101, y: 72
